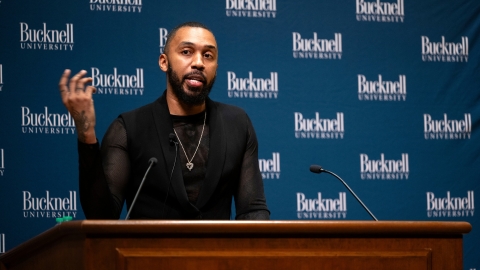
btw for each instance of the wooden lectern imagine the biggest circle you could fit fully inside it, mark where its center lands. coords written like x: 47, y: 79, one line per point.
x: 229, y: 245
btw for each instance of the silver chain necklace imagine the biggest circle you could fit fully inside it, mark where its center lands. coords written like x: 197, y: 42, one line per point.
x: 189, y: 161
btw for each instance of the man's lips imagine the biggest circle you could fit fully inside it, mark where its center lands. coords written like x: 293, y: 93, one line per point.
x: 194, y: 83
x: 194, y: 80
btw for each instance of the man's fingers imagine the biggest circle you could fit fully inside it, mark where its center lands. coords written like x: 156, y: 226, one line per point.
x: 78, y: 94
x: 74, y: 80
x: 64, y: 79
x: 90, y: 90
x: 81, y: 84
x: 62, y: 84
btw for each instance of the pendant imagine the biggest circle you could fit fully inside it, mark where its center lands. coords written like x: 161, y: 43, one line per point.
x: 189, y: 166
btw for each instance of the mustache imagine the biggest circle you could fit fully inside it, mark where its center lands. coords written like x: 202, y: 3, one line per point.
x: 195, y: 73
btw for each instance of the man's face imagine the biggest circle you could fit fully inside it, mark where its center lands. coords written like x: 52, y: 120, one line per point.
x: 191, y: 64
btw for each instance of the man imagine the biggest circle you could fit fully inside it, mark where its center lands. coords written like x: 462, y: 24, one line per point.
x: 216, y: 149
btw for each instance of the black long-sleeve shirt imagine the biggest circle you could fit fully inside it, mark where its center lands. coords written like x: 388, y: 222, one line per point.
x: 105, y: 172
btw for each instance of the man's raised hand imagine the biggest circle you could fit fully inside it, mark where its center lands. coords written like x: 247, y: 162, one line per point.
x: 77, y: 98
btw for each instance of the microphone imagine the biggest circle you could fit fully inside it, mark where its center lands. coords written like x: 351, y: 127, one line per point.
x: 172, y: 138
x: 173, y: 141
x: 152, y: 161
x: 319, y: 169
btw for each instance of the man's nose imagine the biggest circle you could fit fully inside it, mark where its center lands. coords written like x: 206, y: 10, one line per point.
x: 197, y: 61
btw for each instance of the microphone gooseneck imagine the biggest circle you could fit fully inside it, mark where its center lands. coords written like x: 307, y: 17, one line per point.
x: 152, y: 161
x: 319, y: 169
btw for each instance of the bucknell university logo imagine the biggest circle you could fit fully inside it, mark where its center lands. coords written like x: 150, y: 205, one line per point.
x: 118, y: 84
x: 251, y: 8
x: 382, y: 90
x: 132, y: 6
x: 384, y: 169
x: 46, y: 122
x: 377, y: 11
x: 447, y: 129
x: 321, y: 208
x: 45, y: 38
x: 442, y: 51
x: 316, y: 48
x: 252, y: 87
x: 49, y: 207
x: 450, y: 206
x: 319, y: 128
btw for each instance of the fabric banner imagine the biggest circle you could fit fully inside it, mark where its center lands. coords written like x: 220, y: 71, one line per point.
x: 384, y: 93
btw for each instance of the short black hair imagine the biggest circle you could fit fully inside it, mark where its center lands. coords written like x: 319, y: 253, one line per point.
x: 173, y: 32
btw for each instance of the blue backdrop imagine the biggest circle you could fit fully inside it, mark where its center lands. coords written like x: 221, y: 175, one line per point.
x: 384, y: 93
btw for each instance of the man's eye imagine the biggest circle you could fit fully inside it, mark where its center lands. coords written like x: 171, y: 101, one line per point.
x: 208, y: 55
x: 185, y: 52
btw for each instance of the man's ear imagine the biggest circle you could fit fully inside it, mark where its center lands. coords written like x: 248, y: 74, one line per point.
x: 163, y: 62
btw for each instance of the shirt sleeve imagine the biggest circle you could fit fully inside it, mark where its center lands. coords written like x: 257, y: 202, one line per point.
x: 103, y: 174
x: 250, y: 199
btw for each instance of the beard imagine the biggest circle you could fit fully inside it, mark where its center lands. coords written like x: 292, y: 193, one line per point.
x: 200, y: 94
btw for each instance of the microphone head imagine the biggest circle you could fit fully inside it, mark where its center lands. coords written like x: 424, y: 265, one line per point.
x: 153, y: 160
x: 172, y: 138
x: 316, y: 168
